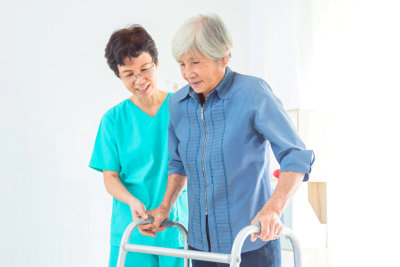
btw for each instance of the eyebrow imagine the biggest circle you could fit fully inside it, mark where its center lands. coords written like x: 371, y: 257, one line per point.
x: 191, y: 58
x: 140, y: 67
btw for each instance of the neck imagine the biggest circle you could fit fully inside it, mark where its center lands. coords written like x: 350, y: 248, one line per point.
x: 220, y: 78
x: 148, y: 101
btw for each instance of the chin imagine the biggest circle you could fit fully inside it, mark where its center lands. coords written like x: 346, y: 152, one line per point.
x: 198, y: 91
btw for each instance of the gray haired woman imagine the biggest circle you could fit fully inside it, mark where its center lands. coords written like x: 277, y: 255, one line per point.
x: 221, y: 127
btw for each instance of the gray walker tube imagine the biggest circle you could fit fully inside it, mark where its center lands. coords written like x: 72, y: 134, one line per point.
x: 232, y: 259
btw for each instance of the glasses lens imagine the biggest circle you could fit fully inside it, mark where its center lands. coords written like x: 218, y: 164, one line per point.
x: 148, y: 71
x: 143, y: 73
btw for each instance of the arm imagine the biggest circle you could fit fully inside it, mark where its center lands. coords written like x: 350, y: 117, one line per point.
x: 105, y: 158
x: 269, y: 215
x: 175, y: 185
x: 114, y: 187
x: 295, y: 160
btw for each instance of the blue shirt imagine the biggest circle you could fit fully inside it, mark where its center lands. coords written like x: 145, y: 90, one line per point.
x: 223, y: 148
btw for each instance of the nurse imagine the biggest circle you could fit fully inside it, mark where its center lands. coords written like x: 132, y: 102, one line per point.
x: 131, y: 148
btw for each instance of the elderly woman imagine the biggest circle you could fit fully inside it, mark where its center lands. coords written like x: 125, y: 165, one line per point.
x: 222, y: 125
x: 131, y: 147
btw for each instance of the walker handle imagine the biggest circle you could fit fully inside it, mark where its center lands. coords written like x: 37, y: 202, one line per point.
x: 167, y: 223
x: 258, y: 225
x: 128, y: 231
x: 256, y: 229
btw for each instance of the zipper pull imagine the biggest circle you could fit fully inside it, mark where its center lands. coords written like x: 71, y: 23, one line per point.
x: 202, y: 113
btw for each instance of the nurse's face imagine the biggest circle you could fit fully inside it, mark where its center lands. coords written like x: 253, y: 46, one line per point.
x: 139, y: 75
x: 202, y: 73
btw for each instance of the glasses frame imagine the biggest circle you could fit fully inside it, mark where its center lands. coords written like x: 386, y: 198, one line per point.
x: 144, y: 73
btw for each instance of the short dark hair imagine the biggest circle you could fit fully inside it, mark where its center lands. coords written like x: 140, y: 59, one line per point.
x: 129, y: 42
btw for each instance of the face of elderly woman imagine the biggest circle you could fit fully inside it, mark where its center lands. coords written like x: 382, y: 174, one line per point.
x: 202, y: 73
x: 138, y: 75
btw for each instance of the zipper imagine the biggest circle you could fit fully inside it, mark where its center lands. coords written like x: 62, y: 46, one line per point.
x: 202, y: 159
x: 208, y: 234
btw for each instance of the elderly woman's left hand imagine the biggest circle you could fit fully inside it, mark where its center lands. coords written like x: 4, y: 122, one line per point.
x: 271, y: 225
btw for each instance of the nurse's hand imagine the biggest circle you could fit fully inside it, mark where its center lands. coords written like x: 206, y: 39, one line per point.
x: 271, y: 225
x: 138, y: 211
x: 159, y: 214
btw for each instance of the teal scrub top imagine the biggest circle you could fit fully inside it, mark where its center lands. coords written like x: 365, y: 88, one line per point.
x: 133, y: 143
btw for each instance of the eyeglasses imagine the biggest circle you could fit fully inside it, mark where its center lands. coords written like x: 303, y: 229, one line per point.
x: 145, y: 73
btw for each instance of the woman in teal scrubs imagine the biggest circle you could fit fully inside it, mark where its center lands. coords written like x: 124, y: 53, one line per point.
x: 131, y: 148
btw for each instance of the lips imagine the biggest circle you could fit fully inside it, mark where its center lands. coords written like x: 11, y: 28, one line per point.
x: 195, y: 84
x: 143, y: 89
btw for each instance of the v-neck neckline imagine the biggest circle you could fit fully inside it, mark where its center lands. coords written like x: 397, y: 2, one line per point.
x: 145, y: 113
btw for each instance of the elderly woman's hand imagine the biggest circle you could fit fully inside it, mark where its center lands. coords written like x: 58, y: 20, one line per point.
x: 271, y: 226
x: 159, y: 214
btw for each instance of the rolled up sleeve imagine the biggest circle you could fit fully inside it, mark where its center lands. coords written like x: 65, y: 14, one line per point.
x: 175, y: 165
x: 272, y: 121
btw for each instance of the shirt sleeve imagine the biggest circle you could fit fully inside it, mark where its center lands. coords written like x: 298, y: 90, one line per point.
x: 175, y: 165
x: 105, y: 154
x: 272, y: 121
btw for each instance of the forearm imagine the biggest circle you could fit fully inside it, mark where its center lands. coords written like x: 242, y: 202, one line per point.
x: 175, y: 185
x: 114, y: 187
x: 289, y: 183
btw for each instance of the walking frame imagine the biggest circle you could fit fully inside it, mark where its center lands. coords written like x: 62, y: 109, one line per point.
x: 232, y: 259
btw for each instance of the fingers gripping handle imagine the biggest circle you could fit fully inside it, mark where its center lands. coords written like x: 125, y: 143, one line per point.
x: 257, y: 224
x: 166, y: 223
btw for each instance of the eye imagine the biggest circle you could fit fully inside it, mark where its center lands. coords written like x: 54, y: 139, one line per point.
x: 146, y: 69
x: 196, y: 62
x: 181, y: 65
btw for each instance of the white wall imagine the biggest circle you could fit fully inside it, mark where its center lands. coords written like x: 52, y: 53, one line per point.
x: 291, y: 37
x: 364, y: 93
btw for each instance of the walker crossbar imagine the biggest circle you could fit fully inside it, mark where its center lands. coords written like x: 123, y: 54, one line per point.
x: 180, y: 253
x: 232, y: 259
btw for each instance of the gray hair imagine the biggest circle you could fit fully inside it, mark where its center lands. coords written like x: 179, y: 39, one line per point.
x: 205, y: 33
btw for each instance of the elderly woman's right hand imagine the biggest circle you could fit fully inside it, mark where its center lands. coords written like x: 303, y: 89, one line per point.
x: 159, y: 214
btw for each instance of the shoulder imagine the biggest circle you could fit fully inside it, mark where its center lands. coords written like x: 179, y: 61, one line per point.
x: 250, y: 87
x: 179, y: 95
x: 248, y: 79
x: 115, y: 112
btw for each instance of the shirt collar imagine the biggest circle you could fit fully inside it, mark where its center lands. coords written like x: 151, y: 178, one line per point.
x: 222, y: 88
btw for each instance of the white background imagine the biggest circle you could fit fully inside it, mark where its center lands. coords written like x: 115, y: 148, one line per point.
x: 329, y: 55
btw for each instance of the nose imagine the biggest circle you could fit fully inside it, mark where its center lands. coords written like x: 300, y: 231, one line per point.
x: 138, y: 79
x: 187, y: 73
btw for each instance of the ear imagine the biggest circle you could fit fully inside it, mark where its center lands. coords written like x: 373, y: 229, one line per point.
x: 119, y: 71
x: 225, y: 59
